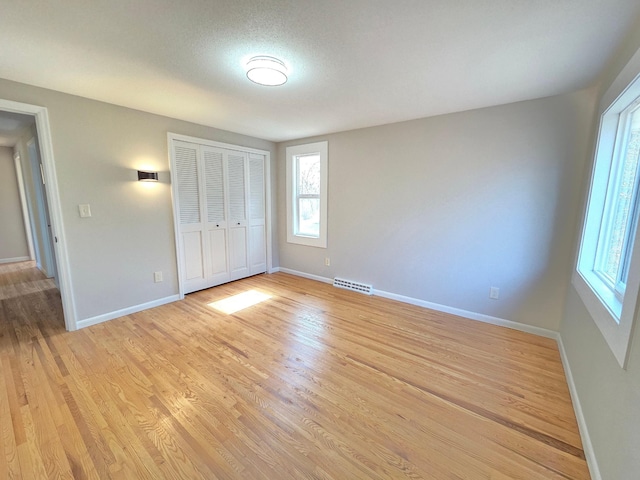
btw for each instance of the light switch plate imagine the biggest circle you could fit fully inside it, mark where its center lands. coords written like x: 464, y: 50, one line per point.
x: 85, y: 210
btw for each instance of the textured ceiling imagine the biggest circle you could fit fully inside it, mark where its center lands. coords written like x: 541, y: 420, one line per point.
x: 353, y: 63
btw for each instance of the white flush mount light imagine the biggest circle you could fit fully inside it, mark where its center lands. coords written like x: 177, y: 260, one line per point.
x: 267, y: 71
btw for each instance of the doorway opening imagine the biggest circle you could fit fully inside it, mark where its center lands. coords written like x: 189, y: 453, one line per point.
x: 39, y: 200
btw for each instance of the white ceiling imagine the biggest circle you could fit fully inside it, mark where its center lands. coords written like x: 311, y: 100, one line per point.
x: 353, y: 63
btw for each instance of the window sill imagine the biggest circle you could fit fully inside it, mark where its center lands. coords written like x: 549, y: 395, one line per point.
x: 307, y: 241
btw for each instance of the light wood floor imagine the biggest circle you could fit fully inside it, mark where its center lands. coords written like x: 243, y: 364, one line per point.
x: 312, y: 383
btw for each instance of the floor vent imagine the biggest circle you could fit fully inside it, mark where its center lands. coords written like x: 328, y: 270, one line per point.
x: 355, y: 286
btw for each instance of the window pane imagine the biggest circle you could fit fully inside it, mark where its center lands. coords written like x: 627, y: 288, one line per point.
x: 309, y: 175
x: 309, y: 217
x: 624, y: 204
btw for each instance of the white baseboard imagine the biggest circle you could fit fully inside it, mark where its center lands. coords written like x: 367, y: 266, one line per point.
x: 587, y: 446
x: 14, y: 259
x: 87, y: 322
x: 274, y: 270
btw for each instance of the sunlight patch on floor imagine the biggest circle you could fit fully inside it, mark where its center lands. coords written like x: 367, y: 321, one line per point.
x: 239, y: 302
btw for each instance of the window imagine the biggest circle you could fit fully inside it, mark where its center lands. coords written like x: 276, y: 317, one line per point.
x: 307, y: 194
x: 608, y: 270
x: 613, y: 251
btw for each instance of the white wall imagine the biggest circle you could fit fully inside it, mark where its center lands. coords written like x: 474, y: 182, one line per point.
x: 609, y: 396
x: 98, y: 147
x: 441, y: 209
x: 13, y: 239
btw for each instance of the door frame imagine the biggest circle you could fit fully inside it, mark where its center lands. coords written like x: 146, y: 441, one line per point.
x: 171, y: 137
x: 43, y: 128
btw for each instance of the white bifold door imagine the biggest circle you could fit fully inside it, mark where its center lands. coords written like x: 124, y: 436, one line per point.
x: 219, y: 196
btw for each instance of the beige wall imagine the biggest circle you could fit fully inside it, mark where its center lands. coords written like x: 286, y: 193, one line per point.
x: 441, y: 209
x: 98, y: 147
x: 13, y: 239
x: 609, y: 396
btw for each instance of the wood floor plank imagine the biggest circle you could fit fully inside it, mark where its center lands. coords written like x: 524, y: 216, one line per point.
x: 9, y: 460
x: 31, y: 461
x: 312, y: 383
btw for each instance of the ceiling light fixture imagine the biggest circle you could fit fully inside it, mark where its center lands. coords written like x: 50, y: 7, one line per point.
x: 268, y: 71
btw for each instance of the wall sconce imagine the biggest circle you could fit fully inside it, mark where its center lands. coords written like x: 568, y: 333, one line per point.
x: 147, y: 176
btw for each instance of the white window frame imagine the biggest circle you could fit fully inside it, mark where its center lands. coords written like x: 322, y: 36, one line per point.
x: 317, y: 148
x: 612, y: 309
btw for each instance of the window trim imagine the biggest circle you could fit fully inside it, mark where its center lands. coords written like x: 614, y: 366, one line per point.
x: 293, y: 152
x: 600, y: 301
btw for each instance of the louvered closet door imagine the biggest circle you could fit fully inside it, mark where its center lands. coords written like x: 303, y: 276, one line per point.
x: 191, y: 249
x: 216, y: 246
x: 219, y: 200
x: 238, y: 225
x: 257, y: 209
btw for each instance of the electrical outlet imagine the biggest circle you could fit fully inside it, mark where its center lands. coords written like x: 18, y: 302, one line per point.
x: 494, y: 293
x: 327, y: 261
x: 157, y: 277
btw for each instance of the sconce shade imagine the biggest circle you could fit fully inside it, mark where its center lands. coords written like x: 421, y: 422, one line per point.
x: 147, y: 176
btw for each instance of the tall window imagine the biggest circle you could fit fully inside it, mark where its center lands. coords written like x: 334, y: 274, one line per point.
x: 608, y: 270
x: 307, y: 194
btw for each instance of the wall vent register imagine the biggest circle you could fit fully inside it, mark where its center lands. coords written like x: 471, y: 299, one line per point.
x: 354, y: 286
